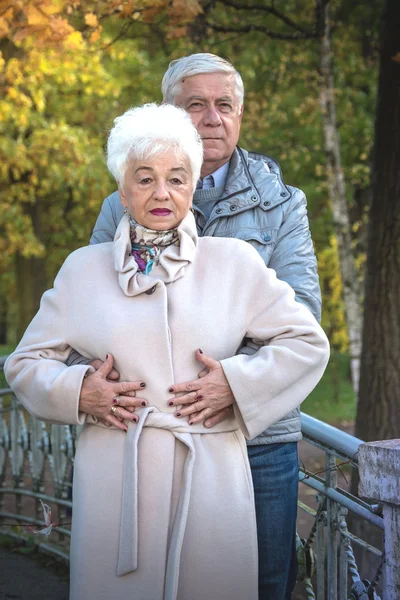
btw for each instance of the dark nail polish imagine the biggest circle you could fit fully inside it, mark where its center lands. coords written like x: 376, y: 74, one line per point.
x: 190, y: 422
x: 171, y: 390
x: 115, y: 400
x: 199, y: 397
x: 170, y: 403
x: 201, y: 351
x: 135, y: 419
x: 142, y: 385
x: 143, y: 403
x: 178, y: 414
x: 107, y: 356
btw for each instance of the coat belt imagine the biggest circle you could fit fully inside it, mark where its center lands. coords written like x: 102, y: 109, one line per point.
x: 128, y: 544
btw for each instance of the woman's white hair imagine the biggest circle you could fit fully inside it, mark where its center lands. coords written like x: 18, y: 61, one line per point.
x: 150, y: 130
x: 197, y: 64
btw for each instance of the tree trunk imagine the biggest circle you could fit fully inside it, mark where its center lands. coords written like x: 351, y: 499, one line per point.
x: 337, y: 192
x: 30, y: 278
x: 378, y: 415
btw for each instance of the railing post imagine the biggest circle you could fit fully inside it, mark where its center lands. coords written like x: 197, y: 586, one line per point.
x: 379, y: 467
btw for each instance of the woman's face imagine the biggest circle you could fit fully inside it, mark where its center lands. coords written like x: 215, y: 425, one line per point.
x: 158, y: 191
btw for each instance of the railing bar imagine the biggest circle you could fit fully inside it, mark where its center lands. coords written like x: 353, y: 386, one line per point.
x: 361, y: 543
x: 310, y: 476
x: 30, y: 494
x: 345, y: 501
x: 306, y: 509
x: 350, y: 459
x: 334, y: 438
x: 32, y: 521
x: 320, y: 548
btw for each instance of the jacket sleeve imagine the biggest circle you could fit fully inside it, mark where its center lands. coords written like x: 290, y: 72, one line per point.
x: 36, y: 370
x: 293, y: 257
x: 292, y: 358
x: 108, y: 220
x: 104, y: 231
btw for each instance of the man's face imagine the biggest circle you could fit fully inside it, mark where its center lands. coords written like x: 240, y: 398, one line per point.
x: 211, y: 102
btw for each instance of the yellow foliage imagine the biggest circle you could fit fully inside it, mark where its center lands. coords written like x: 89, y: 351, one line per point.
x: 4, y: 27
x: 333, y: 314
x: 91, y: 20
x: 95, y: 35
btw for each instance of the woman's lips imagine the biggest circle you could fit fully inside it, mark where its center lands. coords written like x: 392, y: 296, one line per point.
x: 160, y: 212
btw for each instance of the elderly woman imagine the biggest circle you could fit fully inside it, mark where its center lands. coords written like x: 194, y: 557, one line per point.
x: 163, y: 510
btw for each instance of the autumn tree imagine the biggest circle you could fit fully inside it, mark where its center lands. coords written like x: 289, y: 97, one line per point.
x: 378, y: 416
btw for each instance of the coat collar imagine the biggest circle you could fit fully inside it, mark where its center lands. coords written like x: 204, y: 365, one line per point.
x: 173, y: 260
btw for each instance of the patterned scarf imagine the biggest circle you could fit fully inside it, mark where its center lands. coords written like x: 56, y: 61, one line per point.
x: 147, y: 244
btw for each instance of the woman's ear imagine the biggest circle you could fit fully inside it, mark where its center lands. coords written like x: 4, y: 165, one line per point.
x: 122, y: 196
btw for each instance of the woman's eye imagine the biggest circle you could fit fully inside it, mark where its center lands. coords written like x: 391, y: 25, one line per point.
x: 176, y: 181
x: 145, y: 180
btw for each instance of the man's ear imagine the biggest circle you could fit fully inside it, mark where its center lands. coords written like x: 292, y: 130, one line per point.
x: 241, y: 112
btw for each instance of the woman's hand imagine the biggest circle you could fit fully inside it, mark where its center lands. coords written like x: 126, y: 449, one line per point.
x: 99, y: 395
x: 209, y: 397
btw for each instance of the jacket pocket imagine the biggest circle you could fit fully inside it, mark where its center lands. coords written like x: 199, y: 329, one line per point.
x: 263, y: 241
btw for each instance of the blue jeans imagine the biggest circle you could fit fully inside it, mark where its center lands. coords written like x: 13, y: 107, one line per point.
x: 275, y: 469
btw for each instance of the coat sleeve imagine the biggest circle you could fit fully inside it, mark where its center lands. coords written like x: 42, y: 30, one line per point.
x: 108, y: 220
x: 36, y: 372
x: 293, y: 257
x: 292, y: 358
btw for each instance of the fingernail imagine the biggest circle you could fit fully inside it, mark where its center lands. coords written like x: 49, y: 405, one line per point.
x: 190, y: 422
x: 178, y: 414
x: 107, y: 355
x: 199, y: 397
x: 170, y: 403
x: 171, y: 390
x: 115, y: 400
x: 201, y: 351
x: 135, y: 419
x: 142, y: 385
x: 126, y: 430
x: 143, y: 403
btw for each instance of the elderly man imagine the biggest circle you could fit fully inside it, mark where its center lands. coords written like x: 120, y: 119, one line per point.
x: 241, y: 194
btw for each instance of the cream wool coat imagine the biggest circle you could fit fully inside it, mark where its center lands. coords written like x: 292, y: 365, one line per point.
x: 165, y: 511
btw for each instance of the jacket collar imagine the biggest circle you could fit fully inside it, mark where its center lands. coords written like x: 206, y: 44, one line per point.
x: 173, y: 260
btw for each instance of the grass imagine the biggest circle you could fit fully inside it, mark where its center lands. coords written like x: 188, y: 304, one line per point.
x: 332, y: 401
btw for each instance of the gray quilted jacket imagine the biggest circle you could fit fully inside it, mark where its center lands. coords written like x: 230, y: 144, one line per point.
x: 258, y: 207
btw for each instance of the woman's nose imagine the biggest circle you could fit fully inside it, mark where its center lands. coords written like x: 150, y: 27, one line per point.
x: 161, y: 191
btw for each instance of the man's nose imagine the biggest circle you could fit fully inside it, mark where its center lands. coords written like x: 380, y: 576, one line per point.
x: 212, y: 117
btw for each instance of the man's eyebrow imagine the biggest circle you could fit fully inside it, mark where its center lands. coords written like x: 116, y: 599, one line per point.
x: 221, y: 99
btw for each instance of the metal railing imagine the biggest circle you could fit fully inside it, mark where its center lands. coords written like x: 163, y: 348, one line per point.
x: 328, y: 549
x: 36, y: 461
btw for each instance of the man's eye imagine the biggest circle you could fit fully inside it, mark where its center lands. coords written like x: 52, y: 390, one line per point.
x: 176, y: 181
x: 195, y: 105
x: 225, y: 106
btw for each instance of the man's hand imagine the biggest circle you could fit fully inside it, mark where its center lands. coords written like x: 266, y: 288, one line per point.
x: 208, y: 398
x: 99, y: 395
x: 97, y: 363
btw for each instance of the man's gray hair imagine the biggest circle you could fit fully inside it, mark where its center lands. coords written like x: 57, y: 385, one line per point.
x: 197, y: 64
x: 147, y: 131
